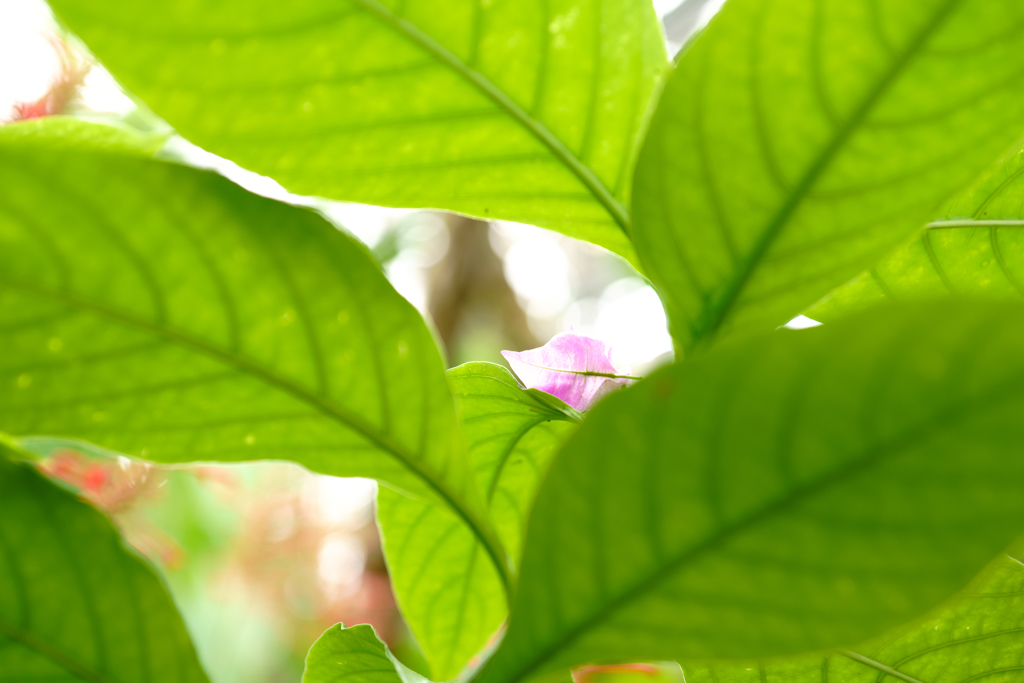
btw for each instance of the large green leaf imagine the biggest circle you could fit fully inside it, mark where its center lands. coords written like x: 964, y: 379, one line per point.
x: 449, y: 594
x: 76, y: 606
x: 500, y: 109
x: 793, y: 492
x: 975, y: 248
x: 354, y: 655
x: 163, y: 312
x: 977, y: 636
x: 799, y: 140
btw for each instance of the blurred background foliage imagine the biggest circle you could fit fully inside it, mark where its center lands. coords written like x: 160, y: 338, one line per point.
x: 262, y: 558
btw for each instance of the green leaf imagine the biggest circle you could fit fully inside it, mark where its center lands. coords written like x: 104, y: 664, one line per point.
x: 976, y: 248
x: 520, y: 111
x: 449, y: 594
x: 354, y: 655
x: 163, y: 312
x: 800, y: 140
x: 58, y: 133
x: 76, y: 606
x: 793, y: 492
x: 979, y: 635
x: 512, y: 434
x: 661, y: 672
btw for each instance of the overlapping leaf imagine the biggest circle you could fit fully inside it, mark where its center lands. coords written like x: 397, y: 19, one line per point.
x: 975, y: 248
x: 357, y: 655
x: 512, y: 435
x: 505, y: 109
x: 57, y: 133
x: 448, y: 592
x: 354, y: 655
x: 76, y: 606
x: 978, y: 636
x: 163, y: 312
x: 793, y: 492
x: 800, y: 140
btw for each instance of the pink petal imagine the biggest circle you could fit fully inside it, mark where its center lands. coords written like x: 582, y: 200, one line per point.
x: 570, y: 366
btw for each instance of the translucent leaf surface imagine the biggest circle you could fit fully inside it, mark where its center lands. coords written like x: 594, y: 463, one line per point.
x: 354, y: 655
x: 975, y: 248
x: 517, y: 110
x: 797, y: 491
x: 166, y: 313
x: 76, y: 606
x: 800, y: 140
x: 979, y: 635
x: 448, y: 592
x: 56, y: 133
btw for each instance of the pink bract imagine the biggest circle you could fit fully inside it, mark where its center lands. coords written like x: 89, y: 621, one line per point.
x: 572, y: 367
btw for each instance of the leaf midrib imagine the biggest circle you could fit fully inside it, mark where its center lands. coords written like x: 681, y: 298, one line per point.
x: 586, y: 176
x: 972, y: 223
x: 878, y: 666
x: 944, y: 419
x: 793, y: 201
x: 585, y: 373
x: 321, y: 404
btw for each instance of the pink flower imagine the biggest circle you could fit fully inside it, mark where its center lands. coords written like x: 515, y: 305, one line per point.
x: 574, y: 368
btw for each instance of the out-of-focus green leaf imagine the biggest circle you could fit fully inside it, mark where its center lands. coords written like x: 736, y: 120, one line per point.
x: 800, y: 140
x: 76, y: 606
x: 58, y: 133
x: 449, y: 594
x: 793, y: 492
x: 354, y: 655
x: 506, y: 109
x: 164, y: 312
x: 976, y: 248
x: 979, y: 635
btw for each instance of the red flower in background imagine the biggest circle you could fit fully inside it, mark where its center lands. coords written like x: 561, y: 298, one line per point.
x: 117, y: 486
x: 64, y: 87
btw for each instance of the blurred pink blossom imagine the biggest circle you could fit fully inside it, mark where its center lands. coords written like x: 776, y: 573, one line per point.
x: 574, y: 368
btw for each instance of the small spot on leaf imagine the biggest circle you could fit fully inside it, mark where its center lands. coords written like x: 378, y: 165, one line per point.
x: 663, y: 389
